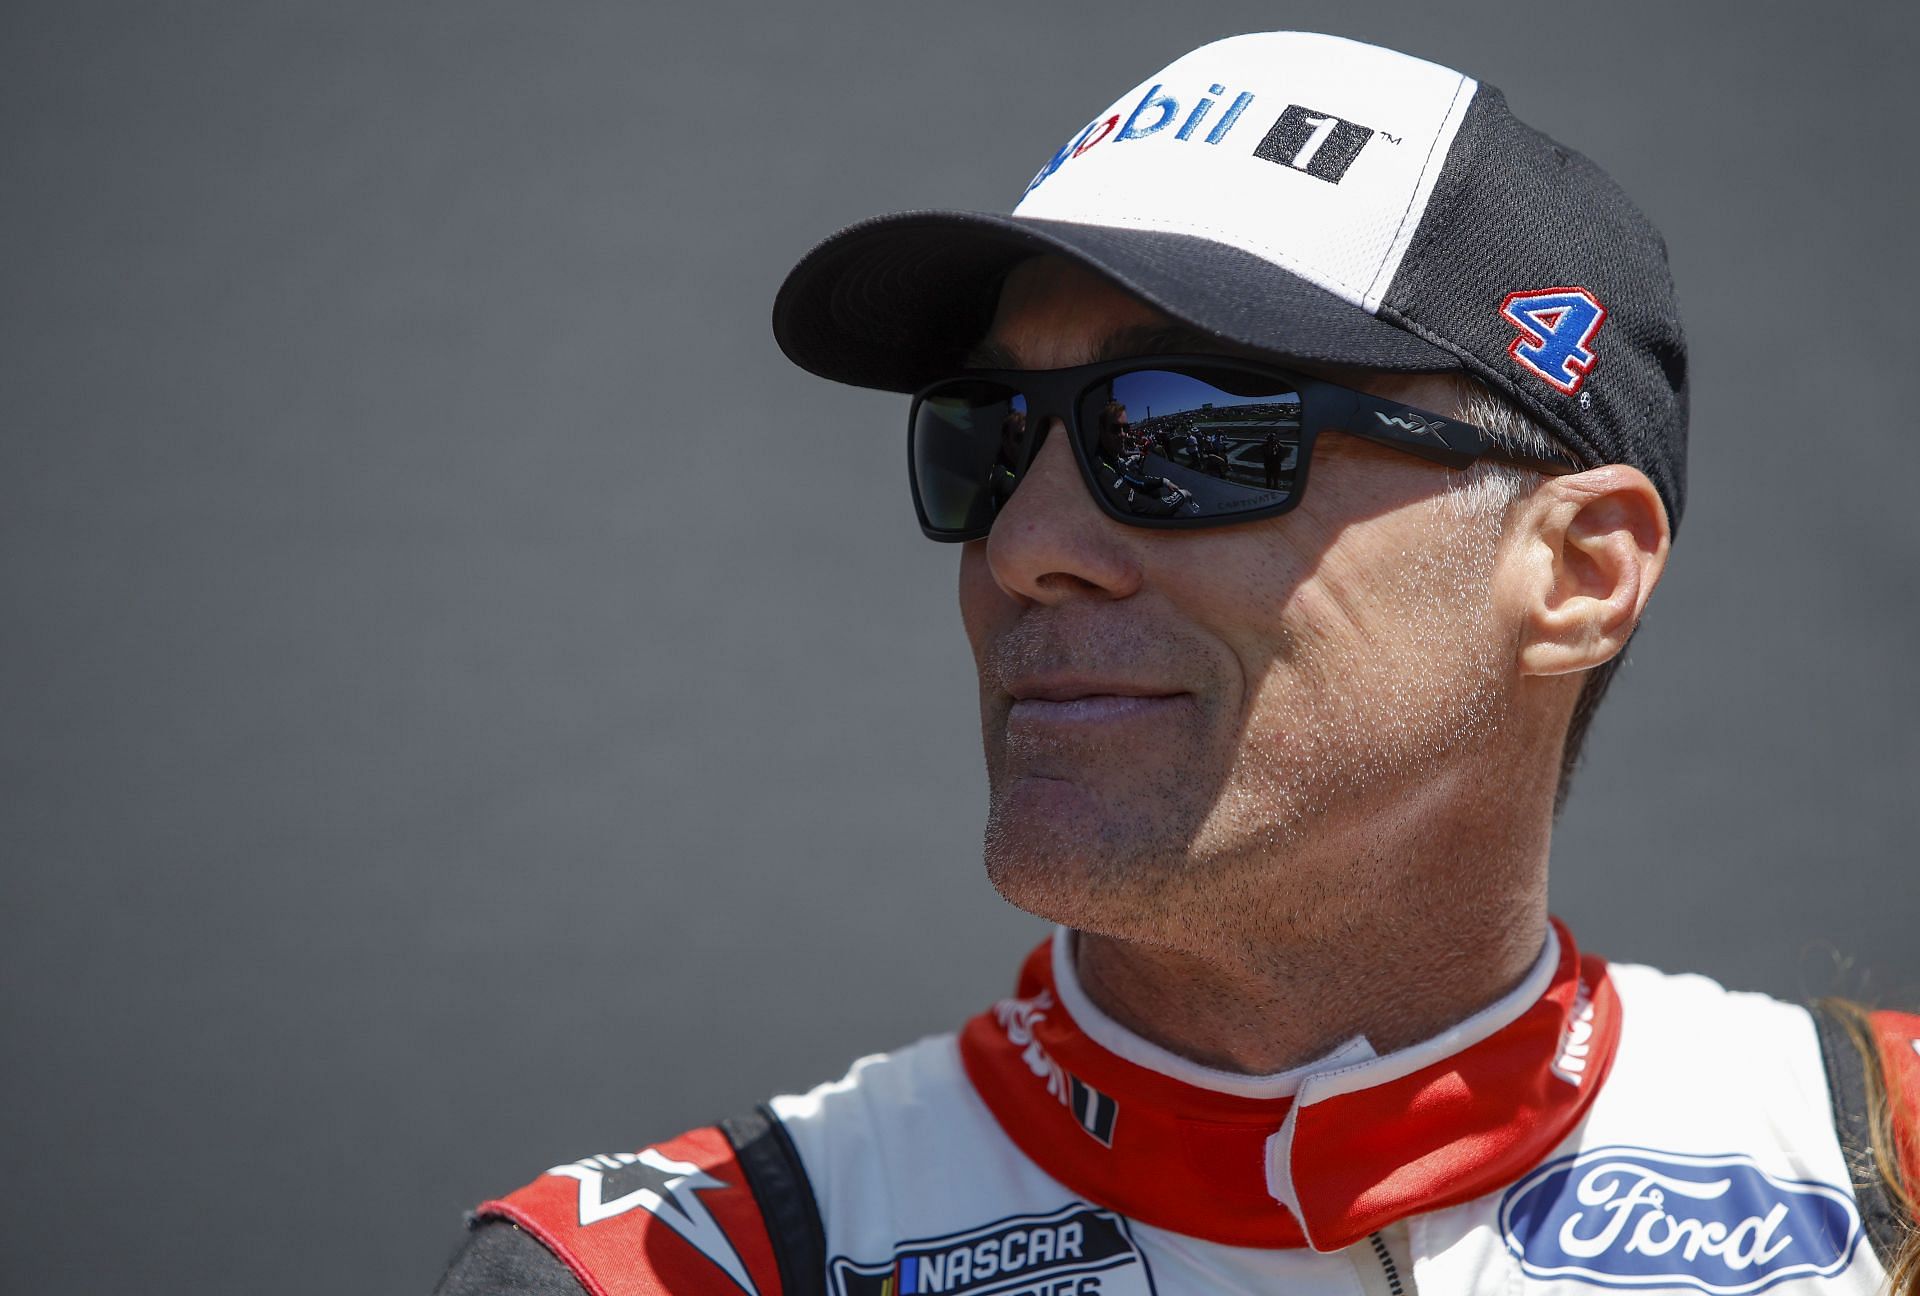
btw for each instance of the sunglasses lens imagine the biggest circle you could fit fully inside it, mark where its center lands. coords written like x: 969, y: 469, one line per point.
x: 1194, y: 442
x: 970, y: 446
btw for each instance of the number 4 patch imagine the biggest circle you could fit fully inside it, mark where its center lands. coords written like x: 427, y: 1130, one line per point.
x: 1556, y: 333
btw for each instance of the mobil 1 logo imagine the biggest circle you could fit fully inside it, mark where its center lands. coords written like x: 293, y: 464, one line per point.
x: 1318, y: 143
x: 1078, y: 1250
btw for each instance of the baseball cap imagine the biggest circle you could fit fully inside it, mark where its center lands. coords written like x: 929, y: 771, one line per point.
x: 1314, y: 199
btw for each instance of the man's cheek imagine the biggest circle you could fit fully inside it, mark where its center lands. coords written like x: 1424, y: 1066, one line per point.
x: 984, y: 607
x: 1338, y: 610
x: 993, y: 734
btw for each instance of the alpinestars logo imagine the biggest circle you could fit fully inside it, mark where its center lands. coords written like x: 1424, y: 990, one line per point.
x: 1319, y: 144
x: 665, y: 1189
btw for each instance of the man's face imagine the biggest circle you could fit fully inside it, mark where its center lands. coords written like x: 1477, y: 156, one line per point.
x: 1176, y: 721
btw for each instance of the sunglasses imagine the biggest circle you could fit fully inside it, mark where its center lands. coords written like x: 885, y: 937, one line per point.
x: 1162, y: 441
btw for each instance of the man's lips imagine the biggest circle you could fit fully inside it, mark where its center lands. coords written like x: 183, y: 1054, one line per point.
x: 1096, y: 708
x: 1084, y: 702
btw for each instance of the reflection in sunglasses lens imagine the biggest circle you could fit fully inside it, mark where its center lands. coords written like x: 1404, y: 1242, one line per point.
x: 969, y: 449
x: 1192, y: 443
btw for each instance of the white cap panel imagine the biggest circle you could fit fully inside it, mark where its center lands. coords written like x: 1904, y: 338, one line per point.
x: 1315, y: 153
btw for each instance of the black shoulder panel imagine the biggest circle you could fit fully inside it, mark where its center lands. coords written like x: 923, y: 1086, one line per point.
x: 1847, y: 1086
x: 500, y: 1260
x: 785, y: 1197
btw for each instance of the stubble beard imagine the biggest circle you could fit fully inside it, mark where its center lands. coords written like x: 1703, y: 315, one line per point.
x: 1285, y: 826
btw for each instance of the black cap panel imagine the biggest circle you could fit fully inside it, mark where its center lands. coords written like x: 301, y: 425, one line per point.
x: 1516, y: 218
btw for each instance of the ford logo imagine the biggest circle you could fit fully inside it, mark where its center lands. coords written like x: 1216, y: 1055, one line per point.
x: 1628, y: 1217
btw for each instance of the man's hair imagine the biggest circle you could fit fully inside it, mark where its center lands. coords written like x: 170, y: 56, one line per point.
x: 1883, y: 1147
x: 1490, y: 488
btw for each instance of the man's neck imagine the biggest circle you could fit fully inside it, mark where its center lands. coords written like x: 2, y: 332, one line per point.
x: 1257, y: 1005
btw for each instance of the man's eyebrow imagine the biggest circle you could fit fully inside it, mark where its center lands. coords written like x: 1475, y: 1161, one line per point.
x: 990, y: 355
x: 1134, y: 340
x: 1158, y: 339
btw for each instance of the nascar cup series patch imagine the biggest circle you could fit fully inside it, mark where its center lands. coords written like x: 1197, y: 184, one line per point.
x: 1630, y: 1217
x: 1078, y: 1250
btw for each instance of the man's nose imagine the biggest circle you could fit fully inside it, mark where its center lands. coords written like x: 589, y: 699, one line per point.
x: 1051, y: 542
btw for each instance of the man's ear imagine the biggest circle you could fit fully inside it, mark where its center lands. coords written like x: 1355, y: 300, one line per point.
x: 1595, y: 543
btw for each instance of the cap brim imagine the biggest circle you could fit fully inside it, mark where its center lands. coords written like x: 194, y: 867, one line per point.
x: 896, y: 301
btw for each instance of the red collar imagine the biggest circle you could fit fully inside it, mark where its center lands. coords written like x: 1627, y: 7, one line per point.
x: 1318, y: 1157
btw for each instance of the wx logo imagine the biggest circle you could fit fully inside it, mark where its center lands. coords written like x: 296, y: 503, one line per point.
x: 1318, y: 143
x: 664, y: 1188
x: 1408, y: 421
x: 1556, y: 333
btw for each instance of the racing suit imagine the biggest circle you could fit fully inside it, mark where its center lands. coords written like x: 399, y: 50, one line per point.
x: 1597, y: 1126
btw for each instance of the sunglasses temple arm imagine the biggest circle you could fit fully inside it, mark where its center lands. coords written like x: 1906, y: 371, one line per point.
x: 1443, y: 441
x: 1401, y: 427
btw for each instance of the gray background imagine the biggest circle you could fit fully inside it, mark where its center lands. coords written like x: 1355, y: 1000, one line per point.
x: 467, y: 703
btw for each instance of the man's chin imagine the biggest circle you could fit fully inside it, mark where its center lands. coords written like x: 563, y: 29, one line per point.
x: 1055, y: 820
x: 1069, y: 853
x: 1034, y: 802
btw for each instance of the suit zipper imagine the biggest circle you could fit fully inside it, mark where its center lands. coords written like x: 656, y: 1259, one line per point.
x: 1387, y: 1264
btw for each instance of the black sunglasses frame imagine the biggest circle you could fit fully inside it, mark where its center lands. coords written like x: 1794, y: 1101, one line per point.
x: 1058, y: 394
